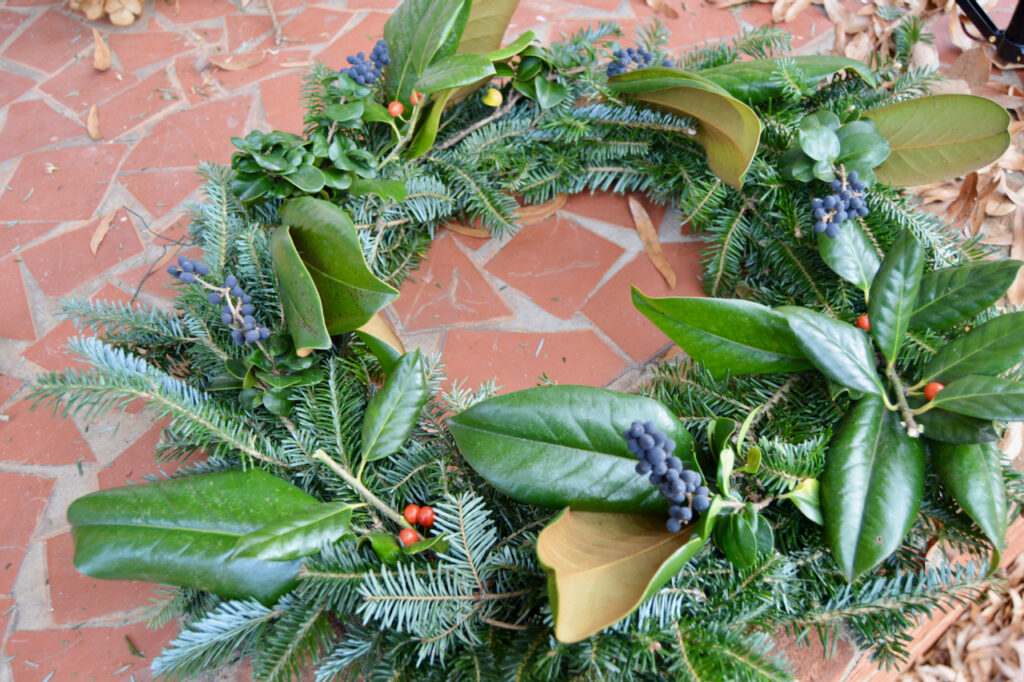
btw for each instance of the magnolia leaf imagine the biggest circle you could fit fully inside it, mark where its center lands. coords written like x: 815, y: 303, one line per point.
x: 417, y: 33
x: 752, y: 82
x: 512, y: 49
x: 385, y: 189
x: 453, y: 72
x: 973, y: 475
x: 601, y: 567
x: 939, y: 138
x: 649, y: 238
x: 728, y: 129
x: 380, y: 337
x: 100, y: 52
x: 486, y: 26
x: 92, y: 123
x: 170, y: 533
x: 950, y: 427
x: 303, y: 309
x: 427, y: 132
x: 326, y: 240
x: 563, y: 446
x: 392, y: 412
x: 871, y: 487
x: 298, y: 535
x: 385, y: 546
x: 728, y: 336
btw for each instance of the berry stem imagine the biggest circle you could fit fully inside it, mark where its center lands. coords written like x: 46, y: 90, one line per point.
x: 733, y: 504
x: 363, y: 491
x: 403, y: 139
x: 913, y: 430
x: 234, y: 305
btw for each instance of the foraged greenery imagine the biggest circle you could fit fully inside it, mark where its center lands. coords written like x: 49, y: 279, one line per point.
x: 318, y: 436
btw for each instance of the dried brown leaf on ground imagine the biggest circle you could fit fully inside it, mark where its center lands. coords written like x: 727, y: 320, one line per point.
x: 662, y: 7
x: 527, y: 215
x: 123, y: 12
x: 649, y: 237
x: 475, y: 232
x: 1016, y: 292
x: 100, y: 233
x: 92, y: 123
x: 92, y: 9
x: 237, y: 62
x: 100, y: 52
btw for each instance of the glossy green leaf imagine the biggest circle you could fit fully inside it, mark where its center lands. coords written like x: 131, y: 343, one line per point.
x: 550, y: 93
x: 385, y: 546
x: 951, y: 295
x: 521, y: 42
x: 326, y: 239
x: 839, y: 350
x: 973, y: 475
x: 893, y: 294
x: 303, y: 309
x: 342, y: 113
x: 984, y: 398
x: 417, y: 33
x: 278, y: 401
x: 453, y: 72
x: 807, y: 498
x: 438, y: 544
x: 871, y: 487
x: 727, y: 335
x: 488, y: 21
x: 298, y: 535
x: 307, y: 178
x: 224, y: 382
x: 736, y: 537
x: 386, y: 189
x: 950, y: 427
x: 752, y: 82
x: 393, y: 411
x: 624, y: 558
x: 728, y: 129
x: 795, y: 165
x: 563, y: 446
x: 860, y: 151
x: 851, y: 255
x: 170, y: 533
x: 939, y: 137
x: 427, y: 133
x: 818, y: 142
x: 375, y: 112
x: 383, y: 342
x: 988, y: 349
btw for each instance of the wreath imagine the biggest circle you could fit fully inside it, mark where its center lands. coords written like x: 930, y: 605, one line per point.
x: 835, y: 416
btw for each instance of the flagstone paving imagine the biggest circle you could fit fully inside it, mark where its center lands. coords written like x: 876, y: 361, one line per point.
x: 552, y: 301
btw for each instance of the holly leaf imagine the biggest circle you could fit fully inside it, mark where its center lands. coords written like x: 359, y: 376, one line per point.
x: 894, y: 293
x: 392, y: 412
x: 563, y: 446
x: 624, y: 558
x: 949, y: 427
x: 839, y: 350
x: 727, y: 335
x: 851, y: 255
x: 871, y: 487
x: 948, y: 296
x: 973, y: 476
x: 988, y: 349
x: 984, y: 398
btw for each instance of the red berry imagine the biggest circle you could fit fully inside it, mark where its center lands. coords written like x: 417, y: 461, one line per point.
x: 410, y: 513
x: 932, y: 390
x: 416, y: 98
x: 408, y: 536
x: 864, y: 323
x: 426, y: 517
x: 396, y: 108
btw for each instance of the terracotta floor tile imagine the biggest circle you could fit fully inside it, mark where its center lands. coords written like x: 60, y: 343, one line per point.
x: 611, y: 307
x: 38, y: 437
x: 556, y: 262
x: 534, y: 13
x: 135, y: 106
x: 76, y: 598
x: 282, y: 104
x: 447, y: 290
x: 49, y: 352
x: 698, y: 22
x: 247, y: 32
x: 65, y: 262
x: 19, y: 232
x: 811, y: 662
x: 80, y: 86
x: 12, y: 87
x: 807, y: 25
x: 186, y: 138
x: 386, y: 5
x: 15, y: 313
x: 564, y: 28
x: 518, y: 359
x: 360, y: 37
x: 138, y: 50
x: 190, y: 11
x: 609, y: 207
x: 269, y: 67
x: 161, y: 191
x: 62, y: 36
x: 7, y: 608
x: 159, y: 282
x: 317, y: 25
x: 71, y: 192
x: 33, y: 125
x: 136, y: 462
x: 9, y: 23
x: 86, y: 653
x: 198, y: 85
x: 24, y: 499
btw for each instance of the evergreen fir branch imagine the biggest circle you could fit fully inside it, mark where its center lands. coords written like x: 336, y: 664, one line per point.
x: 784, y: 465
x: 216, y: 220
x: 710, y: 652
x: 129, y: 323
x: 727, y: 236
x: 298, y: 637
x: 333, y: 577
x: 229, y: 630
x: 467, y: 524
x: 494, y: 209
x: 356, y: 654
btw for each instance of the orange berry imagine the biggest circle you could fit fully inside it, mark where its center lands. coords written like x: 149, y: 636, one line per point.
x: 408, y: 536
x: 410, y: 513
x: 416, y: 98
x: 396, y: 108
x: 426, y: 517
x: 864, y: 323
x: 932, y: 390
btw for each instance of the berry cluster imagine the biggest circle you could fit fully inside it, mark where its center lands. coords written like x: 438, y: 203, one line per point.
x: 366, y: 71
x: 237, y: 311
x: 415, y: 514
x: 845, y: 202
x: 624, y: 57
x: 681, y: 486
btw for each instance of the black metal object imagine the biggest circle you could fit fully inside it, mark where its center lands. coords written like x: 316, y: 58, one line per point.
x: 1009, y: 43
